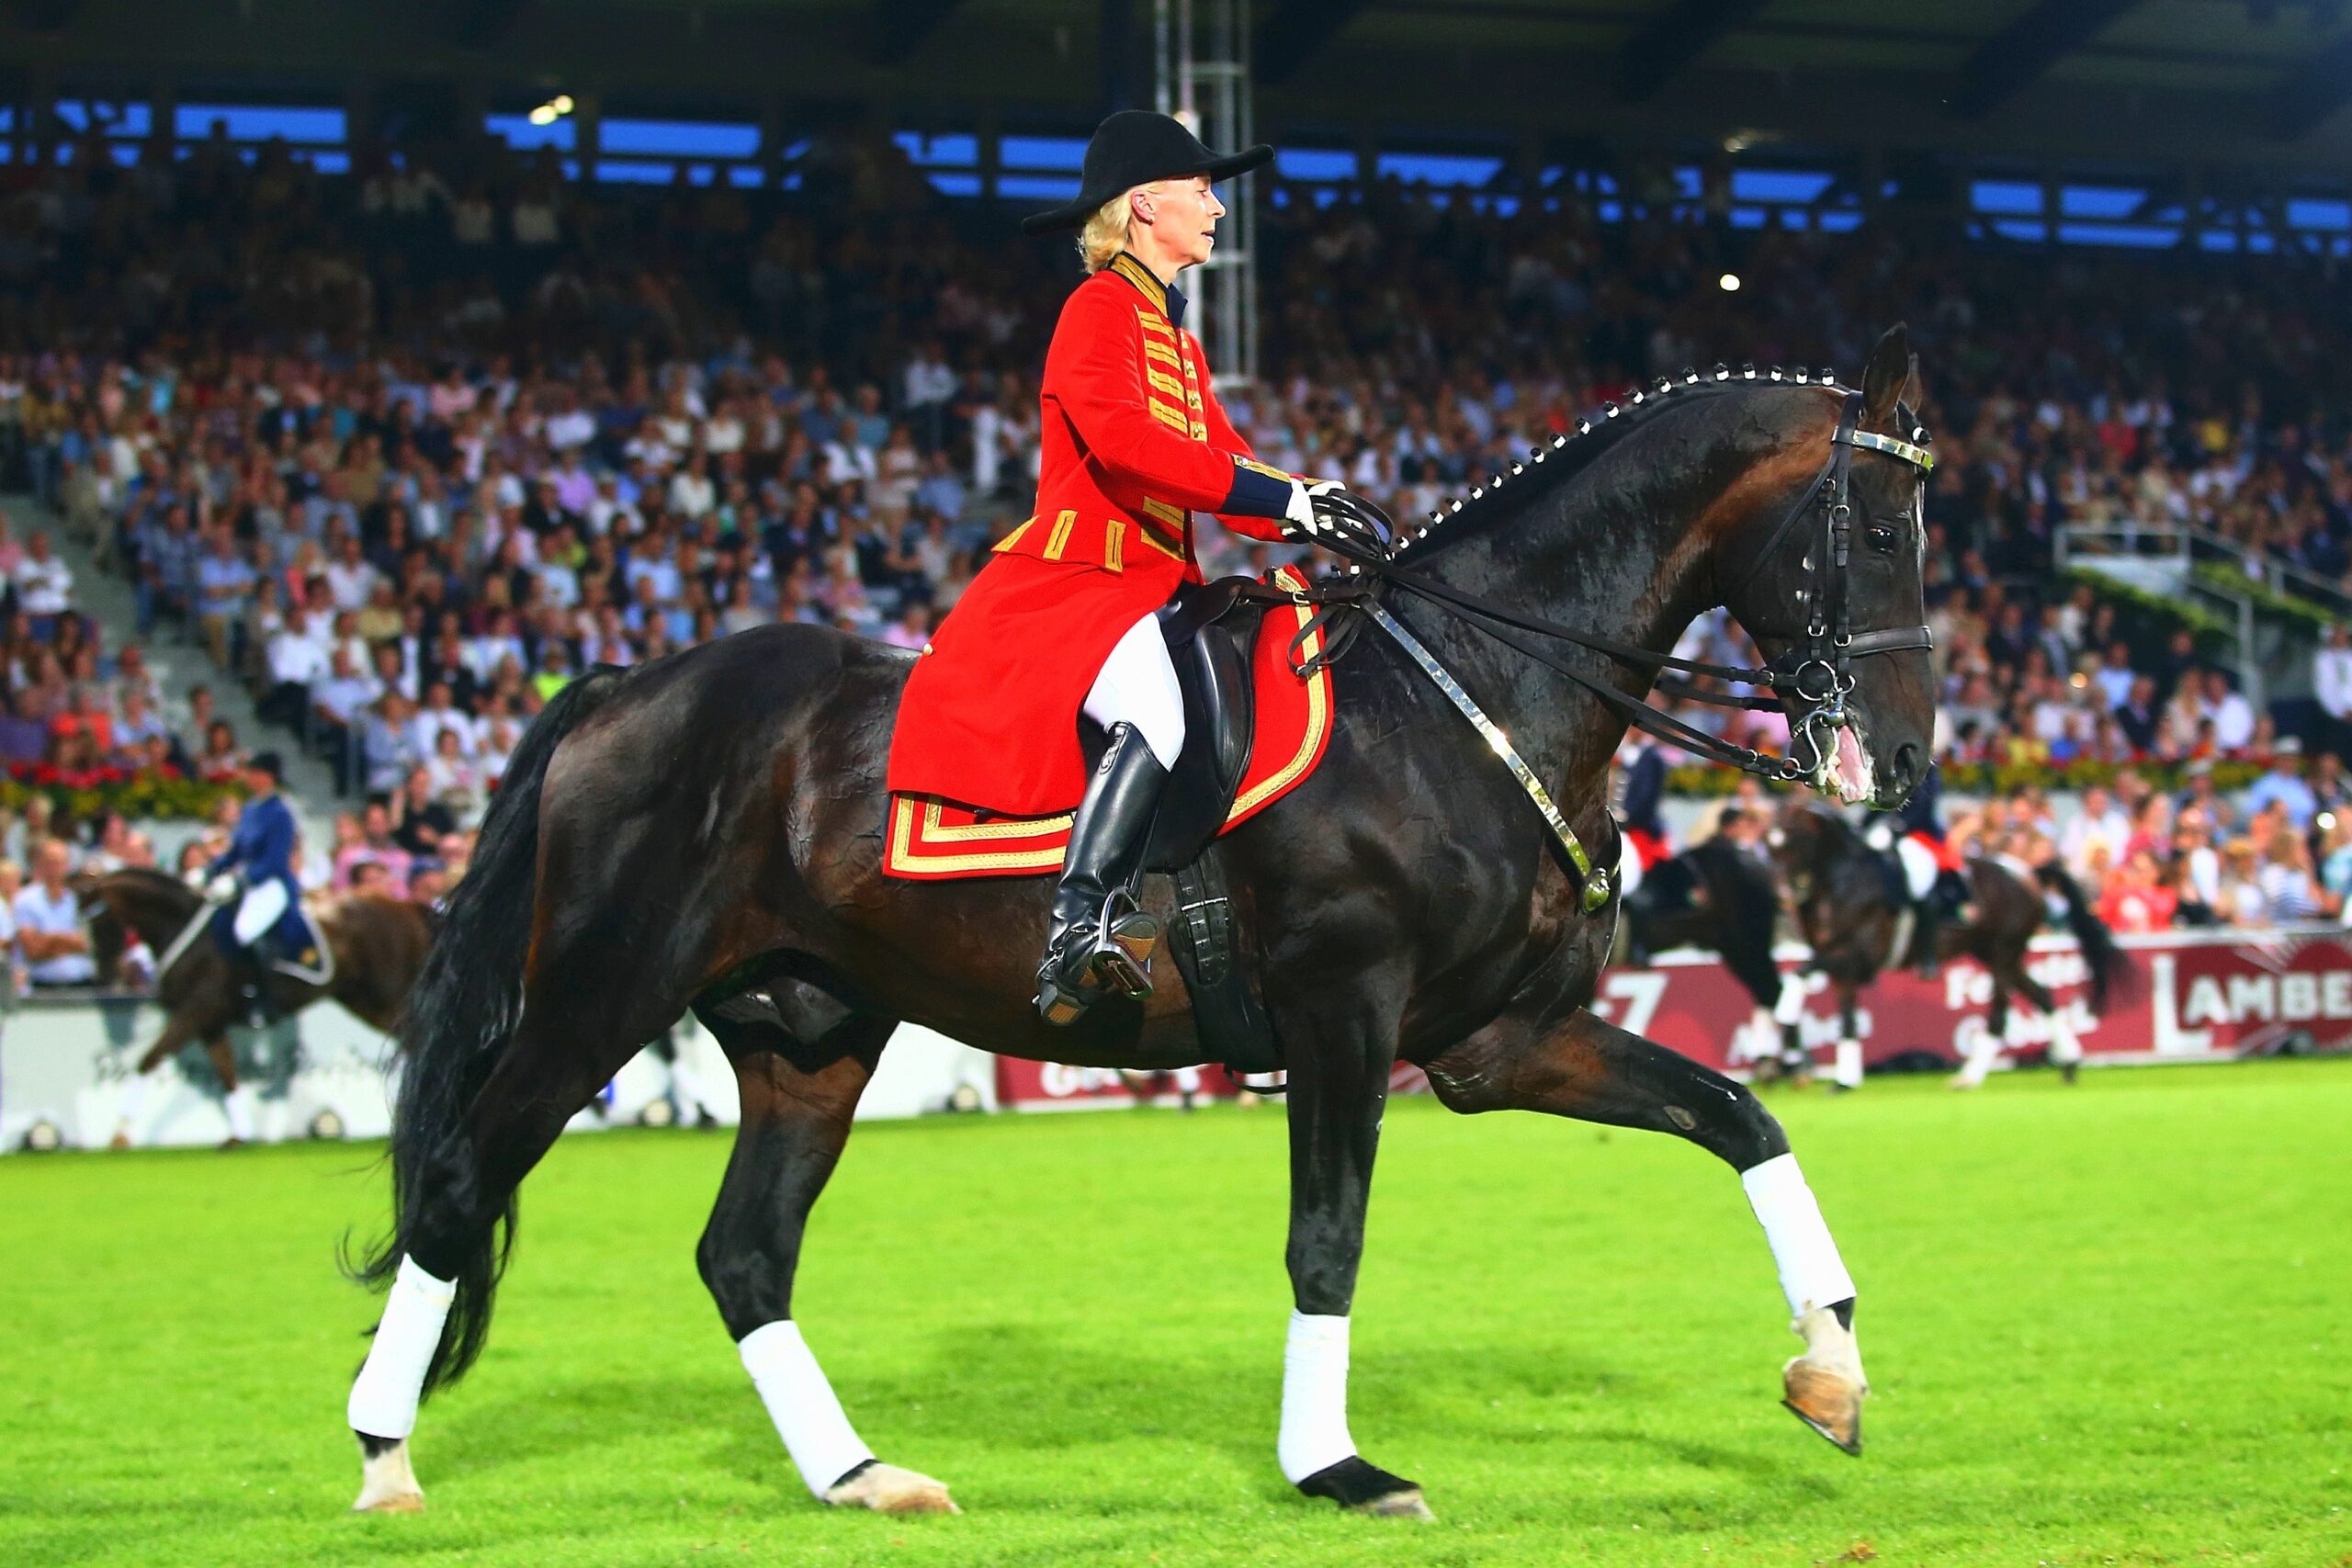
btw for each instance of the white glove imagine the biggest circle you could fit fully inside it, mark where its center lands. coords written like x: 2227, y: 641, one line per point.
x: 1300, y: 512
x: 222, y: 887
x: 195, y: 878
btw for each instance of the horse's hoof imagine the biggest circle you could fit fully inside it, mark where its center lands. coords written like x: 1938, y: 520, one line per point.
x: 119, y: 1141
x: 887, y: 1489
x: 1361, y: 1487
x: 1823, y: 1387
x: 1405, y: 1505
x: 388, y: 1482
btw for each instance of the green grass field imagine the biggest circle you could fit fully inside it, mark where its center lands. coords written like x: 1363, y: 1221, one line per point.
x: 2105, y: 1326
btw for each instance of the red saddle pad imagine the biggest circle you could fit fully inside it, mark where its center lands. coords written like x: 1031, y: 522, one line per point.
x: 935, y: 840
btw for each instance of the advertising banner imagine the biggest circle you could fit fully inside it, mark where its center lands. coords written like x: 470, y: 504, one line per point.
x: 2190, y: 997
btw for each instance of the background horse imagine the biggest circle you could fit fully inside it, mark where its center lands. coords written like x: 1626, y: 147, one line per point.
x: 1721, y: 897
x: 1852, y: 913
x: 707, y: 830
x: 377, y: 948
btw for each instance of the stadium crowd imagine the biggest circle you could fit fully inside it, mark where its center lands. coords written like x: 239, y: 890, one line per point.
x: 403, y: 450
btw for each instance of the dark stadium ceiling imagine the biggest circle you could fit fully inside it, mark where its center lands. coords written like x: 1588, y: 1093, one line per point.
x: 2210, y: 83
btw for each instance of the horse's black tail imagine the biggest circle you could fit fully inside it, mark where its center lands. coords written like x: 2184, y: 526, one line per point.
x: 2110, y: 969
x: 459, y: 1019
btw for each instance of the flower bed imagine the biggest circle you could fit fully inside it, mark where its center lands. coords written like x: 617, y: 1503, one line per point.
x: 81, y: 794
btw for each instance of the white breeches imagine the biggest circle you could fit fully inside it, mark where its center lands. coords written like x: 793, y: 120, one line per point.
x: 1918, y: 865
x: 264, y: 902
x: 1139, y: 687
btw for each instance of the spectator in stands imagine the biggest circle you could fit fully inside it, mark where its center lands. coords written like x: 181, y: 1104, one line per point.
x: 337, y: 705
x: 2336, y: 862
x: 44, y: 584
x: 2241, y: 902
x: 48, y: 919
x: 224, y: 587
x: 223, y: 760
x: 2332, y: 685
x: 455, y: 780
x: 2137, y: 900
x: 372, y: 844
x: 420, y: 819
x: 2284, y: 785
x: 388, y: 743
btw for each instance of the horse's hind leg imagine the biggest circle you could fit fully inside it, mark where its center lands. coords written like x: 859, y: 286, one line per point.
x: 1594, y: 1071
x: 799, y: 1075
x: 2065, y: 1048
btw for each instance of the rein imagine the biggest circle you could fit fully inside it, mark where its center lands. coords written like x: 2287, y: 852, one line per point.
x: 1817, y: 670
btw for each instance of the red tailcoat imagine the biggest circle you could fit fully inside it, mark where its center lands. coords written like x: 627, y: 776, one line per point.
x: 1133, y: 443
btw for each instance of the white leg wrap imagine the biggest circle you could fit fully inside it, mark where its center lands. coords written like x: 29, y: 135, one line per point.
x: 383, y: 1399
x: 1849, y: 1064
x: 2066, y: 1049
x: 1314, y: 1397
x: 133, y: 1115
x: 809, y: 1419
x: 238, y: 1106
x: 1984, y: 1050
x: 1790, y: 1007
x: 1811, y: 1274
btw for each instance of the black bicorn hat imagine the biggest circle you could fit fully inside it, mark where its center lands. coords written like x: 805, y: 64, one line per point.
x: 1134, y: 148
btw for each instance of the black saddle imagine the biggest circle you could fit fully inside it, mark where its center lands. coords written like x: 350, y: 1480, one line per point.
x: 1212, y: 633
x: 1211, y: 647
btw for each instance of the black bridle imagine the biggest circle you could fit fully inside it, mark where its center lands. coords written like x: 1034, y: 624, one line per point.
x: 1816, y: 668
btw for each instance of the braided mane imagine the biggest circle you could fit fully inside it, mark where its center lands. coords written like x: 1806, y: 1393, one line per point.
x: 1569, y: 455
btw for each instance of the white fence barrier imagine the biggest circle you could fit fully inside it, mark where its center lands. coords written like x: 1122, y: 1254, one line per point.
x: 67, y: 1060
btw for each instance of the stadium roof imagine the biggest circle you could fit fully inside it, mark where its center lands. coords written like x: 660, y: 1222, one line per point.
x: 2219, y: 83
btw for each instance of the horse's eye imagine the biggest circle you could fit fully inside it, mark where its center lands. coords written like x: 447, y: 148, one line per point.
x: 1882, y: 537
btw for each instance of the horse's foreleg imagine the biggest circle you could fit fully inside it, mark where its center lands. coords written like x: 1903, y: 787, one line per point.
x: 1846, y: 1073
x: 1991, y: 1035
x: 132, y: 1111
x: 1788, y: 1011
x: 1339, y: 1089
x: 546, y: 1073
x: 1594, y: 1071
x: 237, y: 1098
x: 797, y: 1100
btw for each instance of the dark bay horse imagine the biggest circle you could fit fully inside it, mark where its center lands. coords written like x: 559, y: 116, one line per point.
x: 705, y: 830
x: 1852, y: 917
x: 377, y: 947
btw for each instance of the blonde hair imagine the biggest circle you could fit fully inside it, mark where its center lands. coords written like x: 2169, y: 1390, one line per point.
x: 1104, y: 234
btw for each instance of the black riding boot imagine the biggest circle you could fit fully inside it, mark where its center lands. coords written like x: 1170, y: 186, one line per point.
x: 1933, y: 911
x: 260, y: 956
x: 1929, y: 918
x: 1100, y: 943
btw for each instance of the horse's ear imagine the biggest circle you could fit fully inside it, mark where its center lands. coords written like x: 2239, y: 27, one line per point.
x: 1892, y: 368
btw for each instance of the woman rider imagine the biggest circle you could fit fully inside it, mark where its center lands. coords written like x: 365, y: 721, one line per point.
x: 1061, y: 622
